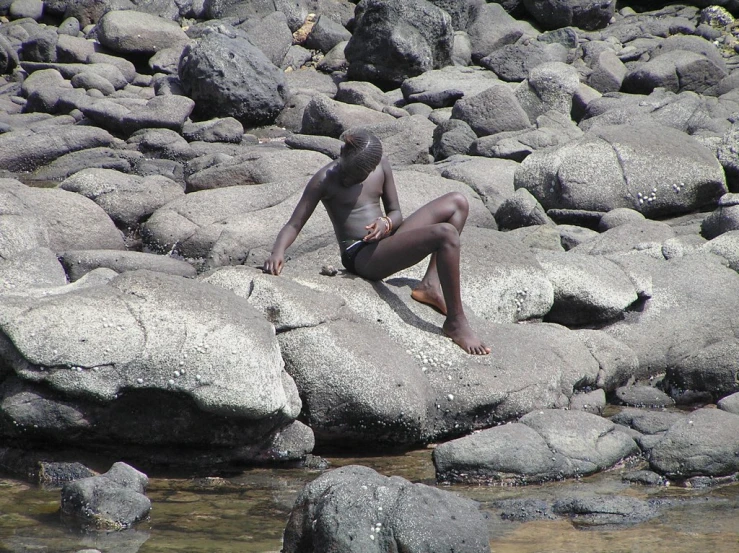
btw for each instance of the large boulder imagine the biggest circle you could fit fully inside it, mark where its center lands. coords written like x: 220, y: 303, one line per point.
x: 543, y: 445
x: 354, y: 508
x: 654, y: 170
x: 149, y: 345
x: 491, y: 26
x: 495, y: 109
x: 327, y: 117
x: 443, y: 87
x: 397, y: 39
x: 227, y: 76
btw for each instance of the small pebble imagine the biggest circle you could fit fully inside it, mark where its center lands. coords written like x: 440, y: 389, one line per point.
x: 140, y: 380
x: 177, y: 373
x: 197, y: 377
x: 450, y: 397
x: 170, y: 382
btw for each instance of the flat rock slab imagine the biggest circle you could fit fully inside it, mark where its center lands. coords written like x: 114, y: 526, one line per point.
x: 647, y: 421
x: 544, y: 445
x: 353, y: 508
x: 704, y: 443
x: 80, y: 262
x: 643, y: 396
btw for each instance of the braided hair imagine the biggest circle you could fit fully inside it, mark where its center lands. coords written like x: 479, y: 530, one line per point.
x: 361, y: 153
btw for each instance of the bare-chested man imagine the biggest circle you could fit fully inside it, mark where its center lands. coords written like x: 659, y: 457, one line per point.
x: 375, y: 246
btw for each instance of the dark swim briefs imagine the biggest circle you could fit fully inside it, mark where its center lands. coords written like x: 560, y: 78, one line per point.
x: 350, y: 254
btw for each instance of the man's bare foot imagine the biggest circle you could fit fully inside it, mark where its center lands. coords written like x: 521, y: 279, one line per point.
x: 430, y: 295
x: 462, y: 335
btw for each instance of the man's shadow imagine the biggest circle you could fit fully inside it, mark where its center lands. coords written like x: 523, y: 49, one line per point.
x: 393, y: 301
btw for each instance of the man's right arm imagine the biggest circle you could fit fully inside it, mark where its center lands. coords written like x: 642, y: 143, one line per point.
x: 302, y: 212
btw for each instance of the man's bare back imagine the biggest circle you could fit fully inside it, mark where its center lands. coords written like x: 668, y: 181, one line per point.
x: 375, y: 246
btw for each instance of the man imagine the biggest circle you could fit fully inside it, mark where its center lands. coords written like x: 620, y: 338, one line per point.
x: 375, y: 246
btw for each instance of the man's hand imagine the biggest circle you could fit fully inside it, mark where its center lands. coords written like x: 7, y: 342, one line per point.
x: 274, y: 264
x: 376, y: 231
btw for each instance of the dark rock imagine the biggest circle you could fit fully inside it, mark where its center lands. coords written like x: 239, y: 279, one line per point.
x: 135, y: 32
x: 396, y: 39
x: 544, y: 445
x: 89, y: 12
x: 354, y: 508
x: 730, y: 403
x: 524, y: 510
x: 491, y: 27
x: 227, y: 75
x: 704, y: 443
x: 725, y: 218
x: 520, y: 210
x: 452, y: 137
x: 643, y: 396
x: 513, y: 62
x: 495, y: 109
x: 324, y: 116
x: 326, y: 34
x: 587, y: 509
x: 325, y: 145
x: 647, y: 421
x: 40, y: 46
x: 158, y: 143
x: 112, y: 501
x: 271, y: 35
x: 644, y: 477
x: 57, y: 473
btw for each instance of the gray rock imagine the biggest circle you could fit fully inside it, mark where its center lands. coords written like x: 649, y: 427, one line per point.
x: 161, y: 144
x: 617, y: 362
x: 619, y: 216
x: 667, y: 172
x: 725, y: 218
x: 442, y: 87
x: 70, y: 27
x: 520, y: 210
x: 711, y: 368
x: 35, y: 267
x: 647, y: 421
x: 494, y: 110
x: 80, y: 262
x: 644, y: 477
x: 576, y: 13
x: 40, y: 46
x: 548, y: 445
x: 226, y: 75
x: 271, y: 35
x: 73, y: 49
x: 704, y: 443
x: 492, y: 27
x: 116, y: 324
x: 93, y: 81
x: 643, y: 396
x: 100, y: 158
x: 405, y: 141
x: 89, y: 12
x: 362, y: 94
x: 324, y: 116
x: 166, y: 60
x: 394, y: 40
x: 452, y: 137
x: 335, y: 59
x: 55, y: 474
x: 60, y: 212
x: 135, y: 32
x: 326, y: 34
x: 676, y: 71
x: 608, y: 72
x: 549, y: 87
x: 591, y: 402
x: 33, y: 9
x: 589, y: 510
x: 325, y: 145
x: 127, y: 68
x: 259, y: 167
x: 127, y: 199
x: 492, y: 179
x: 296, y: 57
x: 586, y: 289
x: 637, y: 236
x: 684, y: 323
x: 573, y: 235
x: 730, y: 404
x: 513, y: 62
x: 353, y: 508
x: 168, y: 112
x: 225, y: 129
x: 112, y: 501
x: 726, y: 154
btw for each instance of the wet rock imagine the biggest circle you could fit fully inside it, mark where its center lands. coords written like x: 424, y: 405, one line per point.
x: 524, y: 510
x: 80, y: 262
x: 647, y: 421
x: 127, y: 199
x: 215, y: 71
x: 643, y: 396
x: 394, y: 40
x: 591, y: 402
x: 353, y: 508
x: 549, y: 445
x: 58, y: 473
x: 114, y: 500
x: 587, y: 510
x: 644, y: 477
x: 704, y: 443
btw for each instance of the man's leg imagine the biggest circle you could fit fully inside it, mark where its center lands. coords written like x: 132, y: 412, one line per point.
x: 404, y: 249
x: 450, y: 208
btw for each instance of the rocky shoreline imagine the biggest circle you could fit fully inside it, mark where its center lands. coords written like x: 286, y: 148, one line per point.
x: 150, y: 152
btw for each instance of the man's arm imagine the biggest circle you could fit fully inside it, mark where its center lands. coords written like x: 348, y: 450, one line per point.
x: 302, y: 212
x: 390, y: 195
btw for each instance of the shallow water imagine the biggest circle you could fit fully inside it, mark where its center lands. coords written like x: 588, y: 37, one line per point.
x: 247, y: 513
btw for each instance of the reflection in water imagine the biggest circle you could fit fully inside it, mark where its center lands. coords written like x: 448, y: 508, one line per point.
x: 247, y: 513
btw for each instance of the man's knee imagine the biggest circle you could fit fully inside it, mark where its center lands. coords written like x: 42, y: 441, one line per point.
x: 459, y: 200
x: 447, y: 234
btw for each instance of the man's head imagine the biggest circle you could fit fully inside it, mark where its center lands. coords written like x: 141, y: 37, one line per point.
x: 360, y: 154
